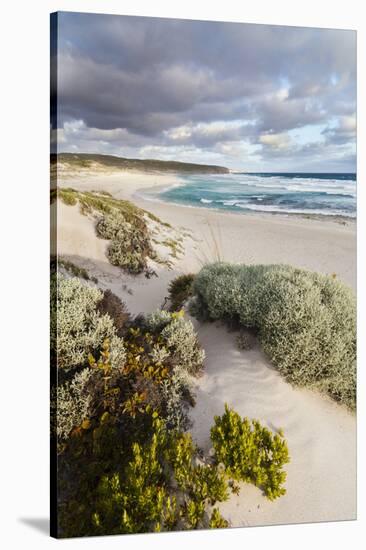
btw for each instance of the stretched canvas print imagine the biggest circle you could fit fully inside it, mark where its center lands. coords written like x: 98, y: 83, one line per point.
x: 203, y: 274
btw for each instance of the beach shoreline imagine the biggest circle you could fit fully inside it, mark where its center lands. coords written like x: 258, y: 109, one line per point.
x: 321, y: 434
x: 146, y: 187
x: 323, y: 245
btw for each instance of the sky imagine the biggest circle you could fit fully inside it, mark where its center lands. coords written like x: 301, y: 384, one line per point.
x: 249, y: 97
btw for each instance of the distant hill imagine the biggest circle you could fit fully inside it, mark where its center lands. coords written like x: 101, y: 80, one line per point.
x: 85, y: 161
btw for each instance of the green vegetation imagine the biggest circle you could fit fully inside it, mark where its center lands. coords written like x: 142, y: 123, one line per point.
x: 85, y: 161
x: 179, y: 339
x: 75, y: 270
x: 306, y: 322
x: 175, y: 247
x: 119, y: 413
x: 129, y: 248
x: 124, y: 224
x: 77, y: 328
x: 180, y: 290
x: 250, y: 452
x: 140, y: 498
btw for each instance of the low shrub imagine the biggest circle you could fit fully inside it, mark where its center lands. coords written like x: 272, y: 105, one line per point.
x: 71, y: 405
x: 179, y: 337
x: 180, y: 290
x: 250, y: 452
x: 218, y: 291
x: 177, y: 396
x: 154, y: 486
x: 181, y: 340
x: 217, y: 521
x: 157, y: 320
x: 130, y: 245
x: 77, y: 328
x: 306, y: 322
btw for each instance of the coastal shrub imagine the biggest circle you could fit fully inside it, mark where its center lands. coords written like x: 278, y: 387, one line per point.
x: 308, y: 328
x: 179, y: 338
x: 306, y: 322
x: 176, y: 396
x: 217, y: 289
x: 113, y: 306
x: 137, y: 501
x: 250, y: 452
x: 125, y: 462
x: 130, y: 245
x: 77, y: 328
x: 217, y: 521
x: 155, y: 486
x: 158, y: 319
x: 71, y: 404
x: 180, y: 289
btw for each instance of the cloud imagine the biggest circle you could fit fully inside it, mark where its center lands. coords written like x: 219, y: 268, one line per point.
x: 275, y: 141
x: 137, y: 82
x: 344, y: 132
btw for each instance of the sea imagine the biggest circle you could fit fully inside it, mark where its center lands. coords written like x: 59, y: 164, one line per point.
x: 317, y: 194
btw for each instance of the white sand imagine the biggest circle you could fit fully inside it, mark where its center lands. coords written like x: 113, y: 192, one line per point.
x: 321, y: 435
x: 324, y: 246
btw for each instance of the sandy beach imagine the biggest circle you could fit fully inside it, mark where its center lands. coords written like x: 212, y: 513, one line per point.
x: 321, y: 484
x: 320, y: 245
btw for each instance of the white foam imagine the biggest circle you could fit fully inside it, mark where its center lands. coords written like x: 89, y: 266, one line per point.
x: 274, y: 208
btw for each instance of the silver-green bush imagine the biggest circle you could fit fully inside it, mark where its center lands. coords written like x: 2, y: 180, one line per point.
x: 306, y: 321
x: 130, y: 245
x: 70, y: 404
x: 158, y: 319
x: 179, y: 338
x: 174, y: 390
x: 77, y: 328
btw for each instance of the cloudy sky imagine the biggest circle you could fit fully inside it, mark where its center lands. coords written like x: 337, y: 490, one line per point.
x: 252, y: 97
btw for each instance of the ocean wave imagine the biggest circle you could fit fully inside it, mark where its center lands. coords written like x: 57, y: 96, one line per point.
x: 279, y: 209
x: 308, y: 188
x: 275, y: 193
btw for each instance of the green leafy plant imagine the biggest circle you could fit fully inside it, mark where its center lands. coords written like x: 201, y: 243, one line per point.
x: 217, y: 521
x: 139, y: 501
x: 154, y: 486
x: 250, y: 452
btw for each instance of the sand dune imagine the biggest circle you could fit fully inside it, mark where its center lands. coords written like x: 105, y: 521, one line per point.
x: 321, y: 484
